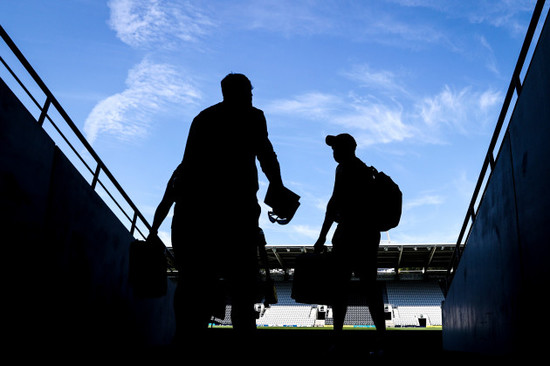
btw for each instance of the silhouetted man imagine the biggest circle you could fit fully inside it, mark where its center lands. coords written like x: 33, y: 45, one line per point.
x: 215, y: 223
x: 356, y: 239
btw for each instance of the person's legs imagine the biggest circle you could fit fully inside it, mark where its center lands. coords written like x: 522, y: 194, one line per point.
x: 342, y: 275
x: 243, y: 275
x: 366, y: 266
x: 243, y: 315
x: 339, y: 310
x: 193, y: 298
x: 339, y: 304
x: 376, y: 306
x: 375, y: 302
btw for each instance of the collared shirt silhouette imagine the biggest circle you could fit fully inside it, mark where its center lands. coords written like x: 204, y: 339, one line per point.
x: 356, y: 238
x: 215, y: 223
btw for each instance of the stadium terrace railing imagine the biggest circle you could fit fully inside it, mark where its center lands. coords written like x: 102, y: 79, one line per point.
x: 135, y: 217
x: 496, y: 140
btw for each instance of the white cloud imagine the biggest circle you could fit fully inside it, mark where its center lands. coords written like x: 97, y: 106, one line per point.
x: 488, y: 100
x: 312, y: 105
x: 288, y: 17
x: 446, y: 107
x: 390, y: 30
x: 464, y: 111
x: 157, y: 23
x: 427, y: 200
x: 498, y: 13
x: 129, y: 114
x: 491, y: 61
x: 383, y: 80
x: 374, y: 121
x: 502, y: 13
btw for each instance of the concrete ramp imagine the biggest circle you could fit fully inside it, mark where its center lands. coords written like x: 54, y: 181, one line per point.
x: 494, y: 301
x: 66, y: 254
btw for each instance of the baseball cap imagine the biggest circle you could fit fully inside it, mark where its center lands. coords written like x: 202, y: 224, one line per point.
x: 341, y: 140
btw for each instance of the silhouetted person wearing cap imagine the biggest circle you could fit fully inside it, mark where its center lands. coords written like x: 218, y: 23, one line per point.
x: 215, y: 223
x: 356, y: 239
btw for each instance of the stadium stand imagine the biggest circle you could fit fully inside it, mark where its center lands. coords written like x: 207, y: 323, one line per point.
x: 408, y: 304
x: 412, y: 301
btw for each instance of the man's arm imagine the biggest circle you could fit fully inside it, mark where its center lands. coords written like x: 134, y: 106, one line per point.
x: 267, y: 156
x: 165, y: 204
x: 319, y: 245
x: 330, y: 215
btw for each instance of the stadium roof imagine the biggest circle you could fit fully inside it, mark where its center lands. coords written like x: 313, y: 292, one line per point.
x: 428, y: 257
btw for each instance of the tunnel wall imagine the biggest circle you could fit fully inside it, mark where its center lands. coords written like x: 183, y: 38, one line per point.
x: 66, y: 254
x: 494, y: 302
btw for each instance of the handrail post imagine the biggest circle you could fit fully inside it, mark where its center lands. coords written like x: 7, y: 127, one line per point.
x: 96, y: 175
x: 134, y: 220
x: 517, y: 84
x: 491, y: 161
x: 44, y: 111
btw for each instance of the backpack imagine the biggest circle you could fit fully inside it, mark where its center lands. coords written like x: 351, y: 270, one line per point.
x: 389, y: 201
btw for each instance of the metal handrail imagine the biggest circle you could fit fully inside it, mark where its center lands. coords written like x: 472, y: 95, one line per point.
x: 51, y: 101
x: 489, y: 161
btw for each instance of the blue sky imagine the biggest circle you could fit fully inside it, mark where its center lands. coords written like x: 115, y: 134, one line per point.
x: 419, y: 83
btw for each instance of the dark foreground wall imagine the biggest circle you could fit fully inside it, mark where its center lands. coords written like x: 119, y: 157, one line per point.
x: 65, y: 255
x: 495, y: 301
